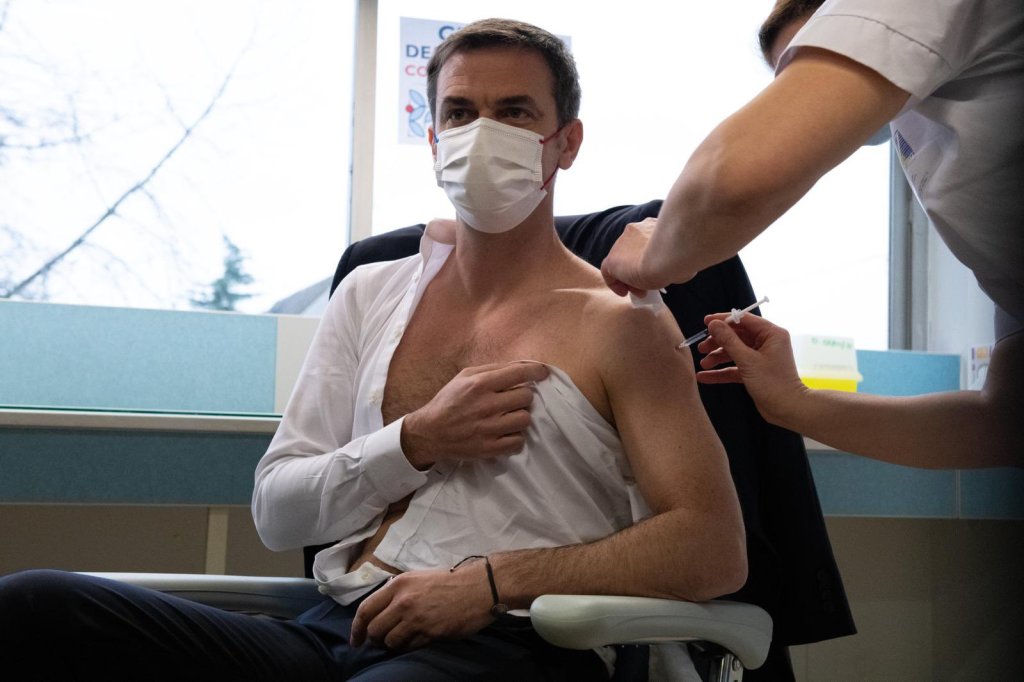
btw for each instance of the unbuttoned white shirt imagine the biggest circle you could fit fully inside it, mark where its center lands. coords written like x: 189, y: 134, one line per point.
x: 333, y: 467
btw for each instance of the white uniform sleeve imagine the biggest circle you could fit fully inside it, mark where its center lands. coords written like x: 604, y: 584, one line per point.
x: 316, y: 483
x: 915, y: 44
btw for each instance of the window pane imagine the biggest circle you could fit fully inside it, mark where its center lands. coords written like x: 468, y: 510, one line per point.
x: 141, y: 142
x: 656, y: 80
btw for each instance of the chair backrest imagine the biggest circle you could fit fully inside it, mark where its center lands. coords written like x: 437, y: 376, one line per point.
x: 792, y: 571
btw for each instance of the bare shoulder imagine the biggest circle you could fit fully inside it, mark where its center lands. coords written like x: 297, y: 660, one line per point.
x: 631, y: 348
x: 631, y: 341
x: 622, y: 320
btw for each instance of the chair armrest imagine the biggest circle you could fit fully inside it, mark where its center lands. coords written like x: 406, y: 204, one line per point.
x: 278, y: 597
x: 589, y: 621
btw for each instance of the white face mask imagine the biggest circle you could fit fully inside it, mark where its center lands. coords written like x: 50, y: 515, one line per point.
x: 492, y: 173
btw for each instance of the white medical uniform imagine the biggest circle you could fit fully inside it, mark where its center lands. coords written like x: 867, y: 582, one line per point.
x: 960, y: 137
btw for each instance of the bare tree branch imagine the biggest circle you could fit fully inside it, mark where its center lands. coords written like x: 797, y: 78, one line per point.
x: 43, y: 144
x: 119, y: 283
x: 65, y: 126
x: 112, y: 210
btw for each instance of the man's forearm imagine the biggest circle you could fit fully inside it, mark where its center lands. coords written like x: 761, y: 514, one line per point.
x: 673, y: 555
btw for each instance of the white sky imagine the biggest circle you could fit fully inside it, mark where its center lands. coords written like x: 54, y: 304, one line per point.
x: 268, y: 168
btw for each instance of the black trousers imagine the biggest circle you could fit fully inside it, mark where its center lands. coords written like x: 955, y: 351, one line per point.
x: 66, y: 626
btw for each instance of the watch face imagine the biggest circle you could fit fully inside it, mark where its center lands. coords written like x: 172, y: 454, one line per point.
x: 499, y: 610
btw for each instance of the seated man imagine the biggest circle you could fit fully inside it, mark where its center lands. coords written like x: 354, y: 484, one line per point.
x: 479, y: 424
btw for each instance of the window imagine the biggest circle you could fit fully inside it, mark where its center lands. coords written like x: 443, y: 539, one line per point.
x: 98, y: 96
x: 657, y: 77
x: 150, y: 150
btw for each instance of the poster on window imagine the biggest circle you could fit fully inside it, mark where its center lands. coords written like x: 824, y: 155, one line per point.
x: 419, y: 37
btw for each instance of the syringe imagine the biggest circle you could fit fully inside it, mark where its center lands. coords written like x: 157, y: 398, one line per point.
x: 733, y: 318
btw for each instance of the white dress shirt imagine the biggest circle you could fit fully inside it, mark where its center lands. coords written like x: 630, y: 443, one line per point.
x: 333, y: 467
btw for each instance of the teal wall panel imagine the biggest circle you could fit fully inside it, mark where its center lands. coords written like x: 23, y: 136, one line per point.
x: 139, y: 360
x: 75, y: 466
x: 118, y: 358
x: 907, y: 372
x: 992, y: 493
x: 849, y: 485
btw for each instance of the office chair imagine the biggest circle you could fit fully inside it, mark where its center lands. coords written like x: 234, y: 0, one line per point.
x: 727, y: 637
x: 792, y: 573
x: 794, y: 593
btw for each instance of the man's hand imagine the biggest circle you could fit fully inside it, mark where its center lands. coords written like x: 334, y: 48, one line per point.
x: 629, y: 265
x: 414, y: 608
x: 482, y: 412
x: 764, y: 361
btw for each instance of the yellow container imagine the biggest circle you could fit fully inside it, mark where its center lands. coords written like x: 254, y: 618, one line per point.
x: 849, y: 385
x: 827, y: 362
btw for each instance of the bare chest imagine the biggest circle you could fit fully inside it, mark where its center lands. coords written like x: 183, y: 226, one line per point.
x: 438, y: 344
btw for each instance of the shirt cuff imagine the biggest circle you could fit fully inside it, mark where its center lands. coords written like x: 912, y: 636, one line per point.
x: 386, y: 466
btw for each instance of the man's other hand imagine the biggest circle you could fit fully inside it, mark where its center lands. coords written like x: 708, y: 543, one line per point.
x: 415, y: 608
x: 482, y: 412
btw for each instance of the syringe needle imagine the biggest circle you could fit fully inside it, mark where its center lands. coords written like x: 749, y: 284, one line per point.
x: 696, y: 338
x: 734, y: 317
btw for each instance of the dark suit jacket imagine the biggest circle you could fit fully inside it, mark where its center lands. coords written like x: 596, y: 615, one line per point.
x: 792, y: 572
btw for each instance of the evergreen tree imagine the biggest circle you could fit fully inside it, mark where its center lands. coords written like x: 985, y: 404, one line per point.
x: 224, y: 292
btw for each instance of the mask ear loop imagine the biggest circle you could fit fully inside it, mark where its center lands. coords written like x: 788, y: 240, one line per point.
x: 543, y: 142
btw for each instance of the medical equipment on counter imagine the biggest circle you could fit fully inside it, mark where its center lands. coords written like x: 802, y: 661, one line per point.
x: 733, y: 318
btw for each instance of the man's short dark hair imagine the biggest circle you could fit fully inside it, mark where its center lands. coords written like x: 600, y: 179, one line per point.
x: 516, y: 34
x: 784, y: 13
